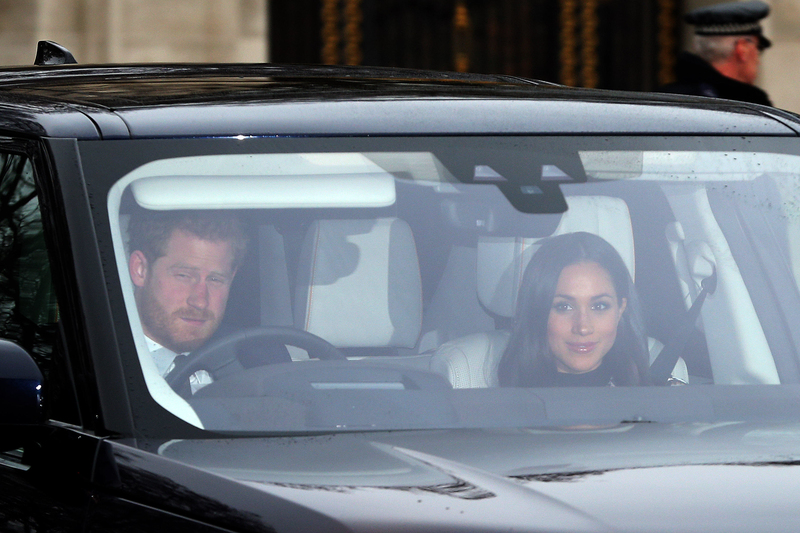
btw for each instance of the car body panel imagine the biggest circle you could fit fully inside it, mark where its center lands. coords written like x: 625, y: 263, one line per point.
x: 628, y: 477
x: 433, y: 116
x: 197, y: 100
x: 719, y: 498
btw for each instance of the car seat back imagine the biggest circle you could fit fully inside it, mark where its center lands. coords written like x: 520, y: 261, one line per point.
x: 359, y: 284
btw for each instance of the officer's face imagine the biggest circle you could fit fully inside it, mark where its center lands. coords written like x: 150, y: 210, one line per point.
x: 751, y: 59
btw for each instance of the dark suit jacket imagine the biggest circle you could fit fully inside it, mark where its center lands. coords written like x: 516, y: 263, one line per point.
x: 697, y: 77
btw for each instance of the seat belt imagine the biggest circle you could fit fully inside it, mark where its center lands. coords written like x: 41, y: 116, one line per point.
x: 661, y: 369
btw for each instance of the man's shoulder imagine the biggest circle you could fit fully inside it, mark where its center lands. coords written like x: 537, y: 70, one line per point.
x: 696, y: 77
x: 690, y: 88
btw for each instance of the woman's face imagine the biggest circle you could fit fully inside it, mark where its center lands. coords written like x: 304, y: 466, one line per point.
x: 586, y: 311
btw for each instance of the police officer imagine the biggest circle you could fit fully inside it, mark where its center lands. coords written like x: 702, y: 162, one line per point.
x: 728, y: 42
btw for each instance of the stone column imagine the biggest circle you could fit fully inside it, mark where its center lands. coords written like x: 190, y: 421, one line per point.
x: 780, y: 72
x: 121, y: 31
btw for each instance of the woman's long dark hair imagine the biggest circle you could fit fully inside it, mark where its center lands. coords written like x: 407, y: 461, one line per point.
x: 528, y: 352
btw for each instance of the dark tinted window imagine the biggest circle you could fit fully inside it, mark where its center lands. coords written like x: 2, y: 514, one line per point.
x: 29, y: 313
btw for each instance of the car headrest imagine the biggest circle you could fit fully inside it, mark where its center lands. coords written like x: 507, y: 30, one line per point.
x: 359, y: 285
x: 502, y: 260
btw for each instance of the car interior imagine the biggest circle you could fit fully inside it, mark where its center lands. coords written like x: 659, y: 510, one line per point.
x: 422, y: 275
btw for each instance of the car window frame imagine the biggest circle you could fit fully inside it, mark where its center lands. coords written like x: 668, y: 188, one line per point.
x: 66, y: 408
x: 152, y: 420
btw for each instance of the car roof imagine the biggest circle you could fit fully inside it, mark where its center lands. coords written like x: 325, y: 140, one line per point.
x: 189, y: 100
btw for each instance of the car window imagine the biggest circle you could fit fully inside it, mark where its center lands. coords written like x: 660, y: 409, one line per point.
x: 29, y: 312
x: 301, y: 286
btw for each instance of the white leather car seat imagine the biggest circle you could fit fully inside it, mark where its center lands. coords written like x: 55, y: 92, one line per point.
x: 737, y: 344
x: 359, y: 284
x: 472, y: 361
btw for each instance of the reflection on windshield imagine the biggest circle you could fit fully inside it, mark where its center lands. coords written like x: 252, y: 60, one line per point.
x: 392, y: 290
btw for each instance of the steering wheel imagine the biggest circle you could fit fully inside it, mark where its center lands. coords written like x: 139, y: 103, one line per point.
x: 222, y: 352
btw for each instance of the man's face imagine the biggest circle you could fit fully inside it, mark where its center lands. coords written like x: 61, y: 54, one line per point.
x: 182, y: 295
x: 751, y: 59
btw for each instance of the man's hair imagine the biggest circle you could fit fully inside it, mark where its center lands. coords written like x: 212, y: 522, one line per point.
x: 151, y: 230
x: 714, y: 48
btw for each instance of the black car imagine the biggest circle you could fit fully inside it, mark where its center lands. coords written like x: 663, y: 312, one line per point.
x: 306, y: 298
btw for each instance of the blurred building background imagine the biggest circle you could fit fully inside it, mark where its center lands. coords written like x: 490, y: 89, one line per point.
x: 613, y: 44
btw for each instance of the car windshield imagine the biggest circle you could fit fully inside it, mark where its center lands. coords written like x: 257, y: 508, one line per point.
x: 273, y: 285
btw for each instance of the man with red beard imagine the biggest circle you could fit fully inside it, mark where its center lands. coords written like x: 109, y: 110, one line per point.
x: 182, y: 265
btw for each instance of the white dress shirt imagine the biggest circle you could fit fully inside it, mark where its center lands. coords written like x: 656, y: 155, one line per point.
x: 165, y: 362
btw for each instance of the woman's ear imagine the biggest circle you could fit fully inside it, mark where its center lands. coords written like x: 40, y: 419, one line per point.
x: 623, y: 304
x: 742, y: 48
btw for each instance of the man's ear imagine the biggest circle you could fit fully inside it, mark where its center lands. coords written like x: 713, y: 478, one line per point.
x: 740, y: 49
x: 137, y: 266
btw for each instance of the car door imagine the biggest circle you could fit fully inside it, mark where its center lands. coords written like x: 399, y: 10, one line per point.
x: 44, y: 475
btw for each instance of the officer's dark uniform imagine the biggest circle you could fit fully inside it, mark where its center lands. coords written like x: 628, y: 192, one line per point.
x: 696, y: 76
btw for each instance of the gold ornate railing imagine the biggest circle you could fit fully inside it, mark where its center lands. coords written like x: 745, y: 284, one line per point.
x: 666, y: 41
x: 563, y: 38
x: 342, y: 23
x: 331, y: 36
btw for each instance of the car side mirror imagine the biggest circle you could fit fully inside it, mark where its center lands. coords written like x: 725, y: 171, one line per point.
x: 20, y: 387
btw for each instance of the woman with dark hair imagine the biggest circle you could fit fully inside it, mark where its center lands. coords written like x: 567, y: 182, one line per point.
x: 578, y: 321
